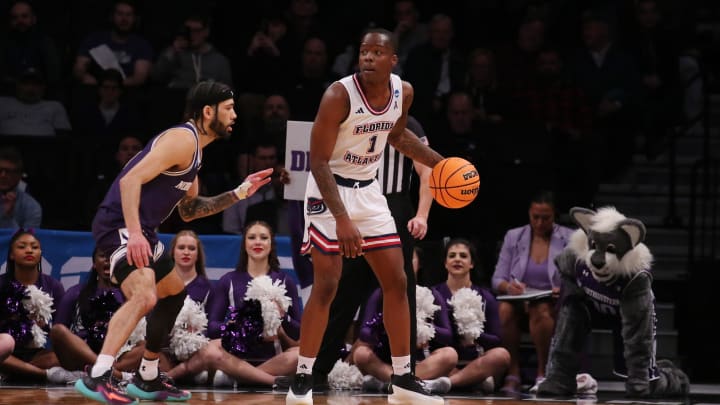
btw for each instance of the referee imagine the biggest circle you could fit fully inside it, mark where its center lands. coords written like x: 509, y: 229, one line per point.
x: 357, y: 281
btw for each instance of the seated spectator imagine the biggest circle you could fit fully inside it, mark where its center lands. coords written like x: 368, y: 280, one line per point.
x: 263, y: 357
x: 656, y: 48
x: 19, y: 209
x: 527, y: 260
x: 31, y: 360
x: 409, y: 32
x: 557, y: 110
x: 82, y: 318
x: 104, y: 171
x: 490, y: 99
x: 435, y: 357
x: 191, y: 58
x: 304, y: 21
x: 118, y: 48
x: 516, y: 59
x: 270, y: 128
x: 434, y: 68
x: 461, y: 138
x: 610, y: 79
x: 109, y: 115
x: 306, y: 88
x: 25, y: 46
x: 266, y: 204
x: 28, y: 112
x: 481, y: 358
x: 267, y: 58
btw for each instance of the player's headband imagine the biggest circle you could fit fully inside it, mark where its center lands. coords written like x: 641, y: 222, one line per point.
x: 210, y: 94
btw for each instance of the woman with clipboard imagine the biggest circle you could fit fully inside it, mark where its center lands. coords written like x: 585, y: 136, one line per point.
x: 527, y: 284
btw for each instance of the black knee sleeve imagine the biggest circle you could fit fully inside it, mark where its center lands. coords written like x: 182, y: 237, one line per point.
x: 161, y: 321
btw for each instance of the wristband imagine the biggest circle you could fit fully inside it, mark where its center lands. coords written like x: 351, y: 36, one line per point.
x: 241, y: 191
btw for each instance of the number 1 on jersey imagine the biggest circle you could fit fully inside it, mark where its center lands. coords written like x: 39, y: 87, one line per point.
x: 373, y: 140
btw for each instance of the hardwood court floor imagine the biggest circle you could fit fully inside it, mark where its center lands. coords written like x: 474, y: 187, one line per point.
x: 10, y: 395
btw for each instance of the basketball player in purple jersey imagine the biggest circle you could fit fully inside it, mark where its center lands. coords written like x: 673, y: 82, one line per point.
x: 346, y: 213
x: 156, y: 180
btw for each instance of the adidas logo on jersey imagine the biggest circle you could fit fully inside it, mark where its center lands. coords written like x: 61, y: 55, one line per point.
x: 360, y: 111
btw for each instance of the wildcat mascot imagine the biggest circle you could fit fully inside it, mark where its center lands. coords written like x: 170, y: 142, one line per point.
x: 607, y: 283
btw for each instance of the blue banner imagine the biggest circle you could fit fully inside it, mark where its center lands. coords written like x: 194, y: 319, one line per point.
x: 67, y: 255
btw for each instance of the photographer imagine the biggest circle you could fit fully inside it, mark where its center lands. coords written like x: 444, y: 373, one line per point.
x: 191, y: 58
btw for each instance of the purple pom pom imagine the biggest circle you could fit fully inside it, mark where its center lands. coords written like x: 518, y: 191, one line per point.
x: 382, y: 347
x: 95, y: 321
x: 243, y: 328
x: 14, y: 318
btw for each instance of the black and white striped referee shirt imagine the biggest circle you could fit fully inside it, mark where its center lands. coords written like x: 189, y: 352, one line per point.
x: 396, y: 172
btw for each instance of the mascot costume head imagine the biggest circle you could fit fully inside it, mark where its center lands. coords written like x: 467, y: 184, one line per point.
x: 607, y: 283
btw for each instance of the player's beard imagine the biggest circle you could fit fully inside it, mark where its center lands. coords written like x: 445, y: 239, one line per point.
x: 219, y: 128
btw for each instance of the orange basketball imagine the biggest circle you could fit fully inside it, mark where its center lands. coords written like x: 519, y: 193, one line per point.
x: 454, y: 182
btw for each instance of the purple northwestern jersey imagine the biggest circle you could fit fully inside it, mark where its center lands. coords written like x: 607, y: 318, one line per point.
x: 605, y: 297
x: 198, y: 289
x: 605, y: 313
x: 158, y: 197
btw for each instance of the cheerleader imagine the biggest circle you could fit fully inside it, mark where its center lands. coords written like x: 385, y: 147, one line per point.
x: 29, y: 298
x: 476, y: 322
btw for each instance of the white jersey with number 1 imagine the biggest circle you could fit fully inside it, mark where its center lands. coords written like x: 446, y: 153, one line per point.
x: 363, y: 135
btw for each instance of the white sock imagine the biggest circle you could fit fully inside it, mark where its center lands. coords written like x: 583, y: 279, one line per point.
x: 103, y: 363
x: 305, y: 365
x: 401, y: 365
x: 149, y: 369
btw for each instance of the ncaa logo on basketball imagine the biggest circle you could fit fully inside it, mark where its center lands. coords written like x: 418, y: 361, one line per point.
x: 470, y: 174
x: 315, y: 206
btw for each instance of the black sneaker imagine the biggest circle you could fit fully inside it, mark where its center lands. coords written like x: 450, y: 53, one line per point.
x: 300, y: 391
x: 162, y: 388
x: 320, y: 383
x: 408, y: 389
x: 103, y: 389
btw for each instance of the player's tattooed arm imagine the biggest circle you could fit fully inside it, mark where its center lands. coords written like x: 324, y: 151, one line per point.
x: 409, y: 145
x: 191, y: 208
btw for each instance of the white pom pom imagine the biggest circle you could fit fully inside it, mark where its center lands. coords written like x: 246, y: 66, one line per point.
x: 345, y: 376
x: 137, y: 335
x: 187, y: 335
x: 271, y: 295
x: 469, y: 313
x: 425, y: 310
x: 39, y: 305
x: 39, y: 336
x: 184, y: 344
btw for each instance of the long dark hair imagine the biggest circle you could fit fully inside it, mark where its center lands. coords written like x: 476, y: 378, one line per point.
x: 475, y: 275
x: 90, y: 286
x: 200, y: 263
x: 273, y: 260
x: 10, y: 269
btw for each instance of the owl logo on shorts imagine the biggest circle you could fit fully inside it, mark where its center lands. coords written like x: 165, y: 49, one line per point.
x: 315, y: 206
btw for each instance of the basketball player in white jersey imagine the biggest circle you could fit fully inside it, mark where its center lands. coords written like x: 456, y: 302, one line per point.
x: 346, y: 213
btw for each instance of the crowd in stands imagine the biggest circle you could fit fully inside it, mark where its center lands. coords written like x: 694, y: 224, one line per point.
x: 554, y: 95
x: 527, y: 91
